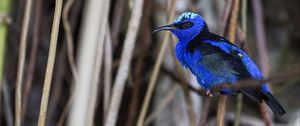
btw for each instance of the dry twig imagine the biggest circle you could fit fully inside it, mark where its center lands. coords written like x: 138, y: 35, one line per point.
x: 122, y: 73
x: 262, y: 50
x: 69, y: 38
x: 145, y: 40
x: 157, y: 65
x: 205, y: 111
x: 231, y: 37
x: 33, y: 55
x: 21, y: 62
x: 50, y: 63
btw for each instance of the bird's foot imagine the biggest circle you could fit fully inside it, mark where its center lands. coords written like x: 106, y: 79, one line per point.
x: 212, y: 93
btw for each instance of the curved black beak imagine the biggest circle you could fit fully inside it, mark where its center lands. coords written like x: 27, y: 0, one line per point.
x: 166, y: 27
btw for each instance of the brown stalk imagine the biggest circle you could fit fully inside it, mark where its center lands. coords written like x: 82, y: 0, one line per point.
x: 58, y: 82
x: 239, y: 103
x: 33, y: 55
x: 117, y: 19
x: 21, y: 62
x: 157, y: 65
x: 221, y: 110
x: 50, y: 63
x: 146, y: 37
x: 231, y: 37
x: 122, y: 73
x: 262, y: 50
x: 70, y: 56
x: 69, y: 38
x: 225, y: 17
x: 223, y: 24
x: 205, y: 111
x: 155, y: 72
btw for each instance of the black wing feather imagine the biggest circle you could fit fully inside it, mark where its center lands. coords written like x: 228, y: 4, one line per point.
x: 255, y: 94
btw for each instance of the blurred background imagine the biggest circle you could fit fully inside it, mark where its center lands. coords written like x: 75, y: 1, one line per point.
x: 96, y: 62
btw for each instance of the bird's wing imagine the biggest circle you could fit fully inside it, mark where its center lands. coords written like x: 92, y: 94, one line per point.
x: 241, y: 63
x: 239, y: 59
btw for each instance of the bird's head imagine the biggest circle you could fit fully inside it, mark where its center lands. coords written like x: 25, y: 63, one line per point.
x: 186, y: 26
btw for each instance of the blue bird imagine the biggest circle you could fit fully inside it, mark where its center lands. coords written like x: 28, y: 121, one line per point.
x: 214, y: 60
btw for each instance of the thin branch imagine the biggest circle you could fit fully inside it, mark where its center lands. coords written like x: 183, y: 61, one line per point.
x: 21, y: 62
x: 157, y: 65
x: 174, y: 77
x: 50, y: 63
x: 117, y: 19
x: 154, y: 114
x: 33, y: 55
x: 240, y: 96
x: 205, y: 111
x: 262, y: 50
x: 145, y: 40
x: 286, y: 75
x: 238, y: 110
x: 65, y: 112
x: 69, y: 38
x: 231, y: 37
x: 233, y: 21
x: 225, y: 16
x: 70, y: 56
x: 122, y: 73
x: 223, y: 25
x: 221, y: 110
x: 261, y: 36
x: 278, y: 78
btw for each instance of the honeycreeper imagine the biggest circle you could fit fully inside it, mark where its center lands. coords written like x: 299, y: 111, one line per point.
x: 214, y: 60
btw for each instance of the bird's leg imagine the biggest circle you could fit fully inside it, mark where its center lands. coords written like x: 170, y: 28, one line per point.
x: 212, y: 93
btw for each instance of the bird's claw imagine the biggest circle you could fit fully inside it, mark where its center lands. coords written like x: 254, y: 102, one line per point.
x: 212, y: 93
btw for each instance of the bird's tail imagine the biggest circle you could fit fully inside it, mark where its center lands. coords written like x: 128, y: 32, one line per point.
x: 274, y: 104
x: 259, y: 96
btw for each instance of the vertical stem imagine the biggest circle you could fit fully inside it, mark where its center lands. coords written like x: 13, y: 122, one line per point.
x: 122, y: 73
x: 144, y: 46
x: 238, y: 110
x: 262, y: 50
x: 231, y: 37
x: 33, y: 55
x: 221, y: 110
x: 154, y: 75
x: 205, y: 111
x: 21, y: 62
x: 240, y: 96
x: 50, y: 63
x: 69, y: 38
x: 233, y: 21
x: 92, y: 32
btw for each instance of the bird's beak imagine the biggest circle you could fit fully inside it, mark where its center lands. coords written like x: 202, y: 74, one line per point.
x: 166, y: 27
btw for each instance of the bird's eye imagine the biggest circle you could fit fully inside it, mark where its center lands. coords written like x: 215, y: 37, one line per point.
x: 187, y: 25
